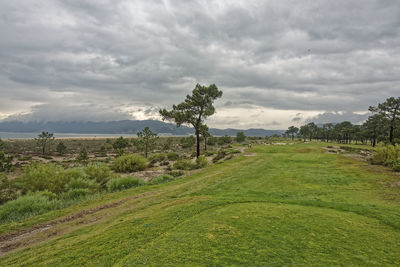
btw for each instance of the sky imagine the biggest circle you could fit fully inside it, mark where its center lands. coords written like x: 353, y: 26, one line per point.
x: 278, y: 63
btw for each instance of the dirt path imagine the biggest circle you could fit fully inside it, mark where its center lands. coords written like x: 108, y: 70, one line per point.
x: 42, y: 232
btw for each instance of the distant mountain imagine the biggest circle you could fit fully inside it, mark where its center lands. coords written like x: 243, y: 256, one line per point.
x: 119, y: 127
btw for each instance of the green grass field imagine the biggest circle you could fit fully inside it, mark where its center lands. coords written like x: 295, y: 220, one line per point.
x: 279, y: 205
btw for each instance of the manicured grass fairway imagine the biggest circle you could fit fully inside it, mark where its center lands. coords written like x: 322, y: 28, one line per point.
x: 287, y: 205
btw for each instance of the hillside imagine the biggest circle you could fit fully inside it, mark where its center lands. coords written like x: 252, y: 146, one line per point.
x: 119, y: 127
x: 275, y: 205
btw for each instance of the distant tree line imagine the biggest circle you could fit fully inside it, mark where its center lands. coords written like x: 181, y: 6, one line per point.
x: 382, y: 126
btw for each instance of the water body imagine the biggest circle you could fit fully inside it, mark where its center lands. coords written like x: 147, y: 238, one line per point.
x: 10, y: 135
x: 7, y: 135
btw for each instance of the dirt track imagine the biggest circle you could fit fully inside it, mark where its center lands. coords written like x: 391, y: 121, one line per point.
x: 42, y: 232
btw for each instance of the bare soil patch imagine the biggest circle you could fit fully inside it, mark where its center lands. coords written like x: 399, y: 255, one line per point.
x: 21, y: 238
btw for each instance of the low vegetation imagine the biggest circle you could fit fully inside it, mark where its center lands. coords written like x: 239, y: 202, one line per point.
x: 130, y: 163
x: 387, y: 156
x: 118, y: 184
x: 278, y: 205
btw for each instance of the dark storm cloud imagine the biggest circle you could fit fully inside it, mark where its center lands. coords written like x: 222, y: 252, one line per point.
x: 329, y: 117
x: 121, y: 58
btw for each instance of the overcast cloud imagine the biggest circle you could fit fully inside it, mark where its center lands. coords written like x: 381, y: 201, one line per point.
x: 277, y: 62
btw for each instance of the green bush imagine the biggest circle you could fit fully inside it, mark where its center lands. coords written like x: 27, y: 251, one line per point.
x: 396, y: 166
x: 235, y: 151
x: 224, y: 140
x: 41, y: 177
x: 201, y: 162
x: 162, y: 179
x: 210, y: 153
x: 130, y: 163
x: 99, y: 172
x: 75, y: 173
x: 188, y: 142
x: 176, y: 173
x: 220, y: 155
x: 83, y: 155
x: 157, y: 157
x: 184, y: 164
x: 76, y: 193
x: 80, y: 183
x: 173, y: 156
x: 26, y: 206
x: 211, y: 141
x: 388, y: 156
x: 164, y: 163
x: 7, y: 192
x: 118, y: 184
x: 6, y: 162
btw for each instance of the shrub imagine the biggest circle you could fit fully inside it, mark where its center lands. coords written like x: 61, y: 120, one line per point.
x: 120, y: 143
x: 220, y: 155
x: 99, y: 172
x: 162, y: 179
x: 83, y: 155
x: 26, y: 206
x: 157, y: 157
x: 41, y: 177
x: 7, y: 192
x: 164, y: 163
x: 80, y: 183
x: 176, y: 173
x: 61, y: 148
x: 184, y: 164
x: 103, y: 151
x: 396, y: 166
x: 173, y: 156
x: 224, y: 140
x: 5, y: 162
x: 188, y: 142
x: 118, y: 184
x: 228, y: 157
x: 201, y: 162
x: 130, y: 163
x: 210, y: 153
x: 76, y: 193
x: 386, y: 155
x: 75, y: 173
x: 211, y: 141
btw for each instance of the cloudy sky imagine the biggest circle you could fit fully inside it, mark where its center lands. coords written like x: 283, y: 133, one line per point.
x: 278, y: 62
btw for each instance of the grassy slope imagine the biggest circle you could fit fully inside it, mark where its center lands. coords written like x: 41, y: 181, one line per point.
x: 286, y: 205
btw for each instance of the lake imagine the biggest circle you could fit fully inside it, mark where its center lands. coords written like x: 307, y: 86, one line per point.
x: 8, y: 135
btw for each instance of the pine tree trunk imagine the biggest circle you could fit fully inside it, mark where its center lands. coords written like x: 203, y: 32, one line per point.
x: 391, y: 134
x: 197, y: 144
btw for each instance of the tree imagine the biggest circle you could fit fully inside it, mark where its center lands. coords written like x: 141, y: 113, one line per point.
x: 240, y: 137
x: 83, y: 155
x: 327, y: 131
x: 292, y: 130
x: 61, y: 148
x: 305, y: 131
x: 390, y: 112
x: 204, y: 131
x: 147, y: 140
x: 313, y: 129
x: 43, y: 140
x: 120, y: 144
x: 373, y: 127
x: 194, y: 110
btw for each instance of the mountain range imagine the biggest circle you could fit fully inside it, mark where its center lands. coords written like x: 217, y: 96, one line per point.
x: 120, y: 127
